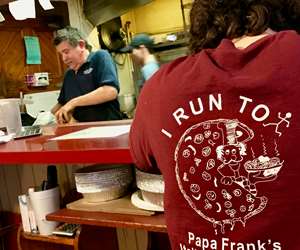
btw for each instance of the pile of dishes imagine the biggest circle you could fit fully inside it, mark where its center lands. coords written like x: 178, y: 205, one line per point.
x: 100, y: 183
x: 150, y: 195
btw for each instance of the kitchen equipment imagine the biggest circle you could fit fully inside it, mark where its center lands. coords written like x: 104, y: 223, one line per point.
x: 127, y: 102
x: 111, y: 35
x: 28, y: 131
x: 168, y: 55
x: 40, y: 101
x: 101, y: 11
x: 10, y: 116
x: 103, y: 182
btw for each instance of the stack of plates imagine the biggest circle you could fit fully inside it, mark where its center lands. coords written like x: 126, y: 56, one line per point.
x: 150, y: 195
x: 103, y: 182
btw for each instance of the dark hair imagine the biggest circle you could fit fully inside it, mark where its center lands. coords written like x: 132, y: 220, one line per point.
x: 213, y: 20
x: 72, y: 36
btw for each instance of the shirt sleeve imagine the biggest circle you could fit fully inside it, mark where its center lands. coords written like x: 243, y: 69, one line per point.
x: 149, y: 69
x: 62, y: 96
x: 106, y: 70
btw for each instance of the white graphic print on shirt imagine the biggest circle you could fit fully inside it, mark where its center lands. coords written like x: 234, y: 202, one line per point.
x: 217, y: 179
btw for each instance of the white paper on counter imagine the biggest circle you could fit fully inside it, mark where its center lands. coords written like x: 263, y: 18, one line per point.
x: 96, y: 132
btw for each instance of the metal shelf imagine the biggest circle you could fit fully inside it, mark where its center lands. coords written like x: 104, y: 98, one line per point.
x: 185, y: 5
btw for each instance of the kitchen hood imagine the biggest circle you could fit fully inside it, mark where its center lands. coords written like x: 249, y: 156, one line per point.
x: 101, y: 11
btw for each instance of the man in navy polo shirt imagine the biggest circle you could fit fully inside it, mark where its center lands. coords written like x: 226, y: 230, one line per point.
x: 90, y: 87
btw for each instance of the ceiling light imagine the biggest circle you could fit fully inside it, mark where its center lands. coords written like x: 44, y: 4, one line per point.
x: 46, y: 4
x: 1, y: 17
x: 22, y: 9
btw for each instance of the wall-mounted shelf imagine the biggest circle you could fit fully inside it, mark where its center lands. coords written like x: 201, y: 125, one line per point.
x: 154, y: 223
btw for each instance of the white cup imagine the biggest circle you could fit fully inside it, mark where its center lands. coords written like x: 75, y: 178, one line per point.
x: 10, y: 116
x: 43, y: 203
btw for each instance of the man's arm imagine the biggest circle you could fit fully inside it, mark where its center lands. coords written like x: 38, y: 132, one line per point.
x: 55, y: 108
x: 100, y: 95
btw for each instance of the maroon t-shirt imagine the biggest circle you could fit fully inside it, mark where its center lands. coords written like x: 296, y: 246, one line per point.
x: 223, y: 127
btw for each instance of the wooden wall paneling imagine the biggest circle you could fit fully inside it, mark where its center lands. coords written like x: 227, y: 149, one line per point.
x: 26, y: 176
x: 141, y: 239
x: 39, y: 173
x: 63, y: 179
x: 2, y: 83
x: 72, y: 168
x: 51, y: 61
x: 127, y: 239
x: 13, y: 186
x: 121, y: 234
x: 1, y: 207
x: 5, y: 205
x: 132, y: 239
x: 12, y: 60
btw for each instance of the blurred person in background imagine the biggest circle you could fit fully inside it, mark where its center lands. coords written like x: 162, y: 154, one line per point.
x: 141, y: 49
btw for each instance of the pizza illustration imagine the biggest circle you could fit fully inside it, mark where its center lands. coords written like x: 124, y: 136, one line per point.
x: 216, y: 175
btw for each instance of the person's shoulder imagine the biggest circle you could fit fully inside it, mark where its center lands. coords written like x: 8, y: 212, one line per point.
x: 288, y: 34
x: 168, y: 72
x: 101, y: 53
x: 176, y: 67
x: 290, y: 37
x: 287, y: 46
x: 68, y: 72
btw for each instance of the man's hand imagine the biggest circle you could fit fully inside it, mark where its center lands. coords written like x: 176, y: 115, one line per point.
x: 64, y: 114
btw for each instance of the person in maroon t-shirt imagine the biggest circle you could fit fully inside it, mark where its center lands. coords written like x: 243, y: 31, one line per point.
x: 223, y: 127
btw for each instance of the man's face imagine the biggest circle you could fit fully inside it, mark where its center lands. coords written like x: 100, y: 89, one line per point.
x: 71, y: 56
x: 138, y: 55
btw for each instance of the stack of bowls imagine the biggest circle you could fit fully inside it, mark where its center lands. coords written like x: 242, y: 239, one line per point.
x: 99, y: 183
x: 151, y: 191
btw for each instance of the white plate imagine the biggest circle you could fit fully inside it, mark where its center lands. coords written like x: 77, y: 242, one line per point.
x: 137, y: 200
x: 149, y: 182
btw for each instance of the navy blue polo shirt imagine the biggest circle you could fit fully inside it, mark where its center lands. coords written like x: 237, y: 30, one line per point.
x: 98, y: 70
